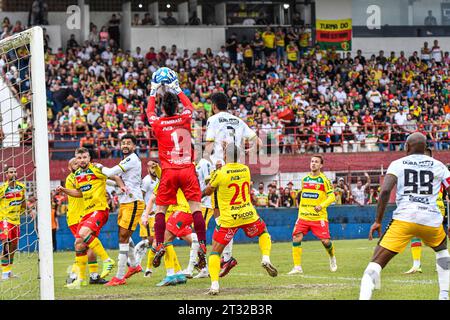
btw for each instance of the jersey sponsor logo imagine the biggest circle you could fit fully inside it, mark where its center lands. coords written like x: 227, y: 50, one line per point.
x: 15, y: 203
x: 245, y: 215
x: 86, y: 188
x: 229, y: 121
x: 167, y: 128
x: 11, y: 195
x: 419, y: 199
x: 309, y: 195
x: 86, y: 178
x: 174, y: 121
x: 314, y: 186
x: 425, y: 163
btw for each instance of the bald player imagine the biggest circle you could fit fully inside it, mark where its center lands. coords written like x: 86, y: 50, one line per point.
x: 418, y: 178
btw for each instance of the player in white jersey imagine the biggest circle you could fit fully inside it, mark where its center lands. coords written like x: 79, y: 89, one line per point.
x: 146, y: 232
x: 418, y: 178
x: 221, y: 129
x: 131, y: 207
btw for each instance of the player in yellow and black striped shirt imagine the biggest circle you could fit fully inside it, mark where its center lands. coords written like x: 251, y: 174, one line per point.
x: 316, y: 195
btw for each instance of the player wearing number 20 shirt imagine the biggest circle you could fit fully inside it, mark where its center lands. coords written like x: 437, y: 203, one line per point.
x: 419, y: 180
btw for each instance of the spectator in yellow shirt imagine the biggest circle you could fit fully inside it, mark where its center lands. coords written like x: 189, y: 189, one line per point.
x: 262, y: 199
x: 280, y: 44
x: 269, y: 42
x: 292, y: 53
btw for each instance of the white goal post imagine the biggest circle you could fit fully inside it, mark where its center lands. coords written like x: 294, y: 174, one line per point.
x: 33, y: 39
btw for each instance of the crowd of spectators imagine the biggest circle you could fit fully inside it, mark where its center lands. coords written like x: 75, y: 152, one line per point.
x: 277, y: 196
x: 298, y: 97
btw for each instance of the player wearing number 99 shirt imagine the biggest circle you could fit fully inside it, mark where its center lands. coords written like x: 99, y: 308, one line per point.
x: 173, y: 133
x: 418, y: 178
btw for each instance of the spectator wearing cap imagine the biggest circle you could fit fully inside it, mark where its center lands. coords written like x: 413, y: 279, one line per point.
x: 274, y: 198
x: 262, y: 199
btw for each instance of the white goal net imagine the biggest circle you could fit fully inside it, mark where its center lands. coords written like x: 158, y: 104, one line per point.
x: 25, y: 211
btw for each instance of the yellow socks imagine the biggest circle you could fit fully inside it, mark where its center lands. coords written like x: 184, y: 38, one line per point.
x: 169, y: 261
x: 214, y: 266
x: 93, y: 267
x: 297, y: 251
x: 81, y: 262
x: 151, y: 255
x: 265, y: 244
x: 98, y: 249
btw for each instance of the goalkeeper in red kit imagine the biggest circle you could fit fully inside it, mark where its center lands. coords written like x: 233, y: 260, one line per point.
x: 173, y: 133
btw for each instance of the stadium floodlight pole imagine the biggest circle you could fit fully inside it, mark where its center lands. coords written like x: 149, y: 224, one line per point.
x: 40, y: 131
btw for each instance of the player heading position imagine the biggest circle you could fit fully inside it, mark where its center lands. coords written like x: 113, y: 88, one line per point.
x: 232, y: 183
x: 131, y: 207
x: 223, y: 128
x: 173, y: 133
x: 90, y: 184
x: 418, y: 178
x: 317, y: 194
x: 12, y: 205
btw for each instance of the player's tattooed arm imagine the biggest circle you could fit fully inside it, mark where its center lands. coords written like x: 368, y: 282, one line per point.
x: 389, y: 183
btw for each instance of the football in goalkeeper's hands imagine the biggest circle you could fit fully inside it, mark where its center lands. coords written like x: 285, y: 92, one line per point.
x: 164, y: 75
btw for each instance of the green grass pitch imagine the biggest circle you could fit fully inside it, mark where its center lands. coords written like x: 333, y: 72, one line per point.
x: 248, y: 280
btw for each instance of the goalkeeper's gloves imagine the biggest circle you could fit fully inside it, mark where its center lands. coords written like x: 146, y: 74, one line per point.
x: 154, y: 88
x: 175, y: 86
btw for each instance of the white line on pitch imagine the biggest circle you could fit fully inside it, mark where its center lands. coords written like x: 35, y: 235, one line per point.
x: 342, y: 278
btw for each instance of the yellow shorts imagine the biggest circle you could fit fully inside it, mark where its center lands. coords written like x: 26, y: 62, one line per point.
x: 149, y: 230
x: 399, y: 234
x: 130, y: 214
x: 207, y: 214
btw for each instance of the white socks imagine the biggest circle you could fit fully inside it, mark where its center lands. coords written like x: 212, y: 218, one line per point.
x: 370, y: 281
x: 228, y: 251
x: 193, y: 253
x: 265, y: 259
x: 124, y: 249
x: 131, y: 256
x: 416, y: 264
x: 442, y: 267
x: 215, y: 285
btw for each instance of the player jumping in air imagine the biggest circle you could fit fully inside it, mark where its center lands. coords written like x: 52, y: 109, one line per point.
x: 75, y: 209
x: 223, y: 128
x: 12, y: 205
x: 418, y: 178
x: 232, y: 183
x: 131, y: 207
x: 416, y: 243
x: 173, y: 133
x: 316, y: 195
x: 90, y: 184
